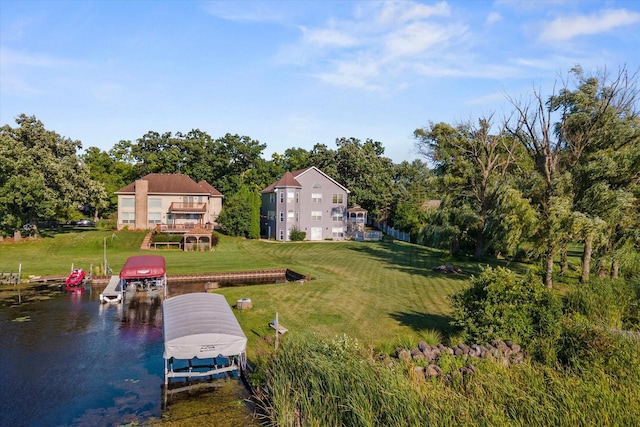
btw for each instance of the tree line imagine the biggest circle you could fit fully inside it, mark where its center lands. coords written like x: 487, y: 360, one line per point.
x: 556, y: 170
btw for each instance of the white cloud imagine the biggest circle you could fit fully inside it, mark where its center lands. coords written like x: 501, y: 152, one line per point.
x: 418, y: 38
x: 379, y: 46
x: 398, y: 13
x: 243, y: 11
x: 12, y: 57
x: 493, y: 18
x: 569, y: 27
x: 17, y: 85
x: 328, y: 37
x: 359, y: 74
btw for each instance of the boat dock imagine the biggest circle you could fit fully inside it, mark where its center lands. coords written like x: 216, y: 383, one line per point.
x: 113, y: 293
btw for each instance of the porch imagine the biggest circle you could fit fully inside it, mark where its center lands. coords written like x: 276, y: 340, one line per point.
x: 183, y: 228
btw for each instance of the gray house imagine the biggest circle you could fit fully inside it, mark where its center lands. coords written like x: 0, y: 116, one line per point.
x: 308, y: 200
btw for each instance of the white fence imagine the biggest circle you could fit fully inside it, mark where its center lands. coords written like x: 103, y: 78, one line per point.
x: 396, y: 234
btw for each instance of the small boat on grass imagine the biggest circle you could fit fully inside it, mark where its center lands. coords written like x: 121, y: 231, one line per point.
x: 76, y: 278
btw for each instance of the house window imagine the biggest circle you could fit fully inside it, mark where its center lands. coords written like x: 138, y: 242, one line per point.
x: 337, y: 198
x: 128, y: 218
x: 316, y: 216
x: 154, y: 202
x: 297, y: 216
x: 281, y: 234
x: 272, y: 197
x: 155, y: 218
x: 337, y: 232
x: 297, y: 197
x: 290, y: 195
x: 281, y: 216
x: 271, y: 215
x: 290, y: 214
x: 128, y: 202
x: 282, y: 197
x: 316, y: 197
x: 337, y: 214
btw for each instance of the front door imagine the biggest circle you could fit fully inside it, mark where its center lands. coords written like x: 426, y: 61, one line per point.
x: 316, y: 233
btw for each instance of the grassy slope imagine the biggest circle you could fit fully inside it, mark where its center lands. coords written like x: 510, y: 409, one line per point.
x: 376, y: 292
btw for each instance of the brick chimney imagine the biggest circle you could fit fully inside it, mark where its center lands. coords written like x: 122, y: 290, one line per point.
x: 142, y: 189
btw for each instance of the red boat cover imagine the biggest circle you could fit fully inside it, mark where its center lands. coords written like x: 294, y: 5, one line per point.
x: 143, y: 266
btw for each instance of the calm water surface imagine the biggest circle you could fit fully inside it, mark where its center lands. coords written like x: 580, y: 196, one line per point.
x: 75, y: 361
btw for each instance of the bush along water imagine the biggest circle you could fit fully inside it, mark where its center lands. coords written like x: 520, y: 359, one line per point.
x: 312, y: 381
x: 541, y: 363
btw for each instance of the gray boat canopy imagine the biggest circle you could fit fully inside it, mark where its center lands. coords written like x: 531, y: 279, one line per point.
x: 201, y: 325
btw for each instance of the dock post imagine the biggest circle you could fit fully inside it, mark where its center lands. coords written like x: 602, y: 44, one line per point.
x: 276, y: 325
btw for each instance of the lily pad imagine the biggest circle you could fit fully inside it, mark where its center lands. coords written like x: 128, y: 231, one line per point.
x: 22, y: 319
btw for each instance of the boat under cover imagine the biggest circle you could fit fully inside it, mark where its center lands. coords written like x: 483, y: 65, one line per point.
x: 143, y: 267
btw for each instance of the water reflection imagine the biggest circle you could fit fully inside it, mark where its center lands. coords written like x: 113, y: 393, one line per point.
x: 70, y: 360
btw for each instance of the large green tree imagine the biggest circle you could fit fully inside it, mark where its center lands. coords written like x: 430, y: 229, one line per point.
x: 110, y: 171
x: 600, y: 128
x: 414, y: 183
x: 240, y: 214
x: 471, y: 163
x: 41, y: 176
x: 368, y: 175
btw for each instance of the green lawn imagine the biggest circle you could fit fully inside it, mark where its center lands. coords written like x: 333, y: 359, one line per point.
x: 377, y: 292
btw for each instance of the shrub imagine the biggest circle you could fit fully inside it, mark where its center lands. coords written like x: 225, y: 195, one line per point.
x: 499, y: 305
x: 215, y: 239
x: 167, y: 237
x: 296, y: 235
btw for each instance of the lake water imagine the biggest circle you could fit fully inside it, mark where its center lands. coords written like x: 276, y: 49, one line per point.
x: 72, y: 361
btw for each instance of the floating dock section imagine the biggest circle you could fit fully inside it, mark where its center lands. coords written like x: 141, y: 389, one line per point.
x: 114, y: 291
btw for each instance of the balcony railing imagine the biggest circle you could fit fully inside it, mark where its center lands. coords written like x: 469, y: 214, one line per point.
x: 187, y: 207
x: 182, y: 228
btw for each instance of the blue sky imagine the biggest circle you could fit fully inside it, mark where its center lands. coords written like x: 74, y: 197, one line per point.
x: 295, y: 73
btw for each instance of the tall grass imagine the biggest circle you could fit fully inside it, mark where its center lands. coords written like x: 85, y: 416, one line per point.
x: 316, y: 382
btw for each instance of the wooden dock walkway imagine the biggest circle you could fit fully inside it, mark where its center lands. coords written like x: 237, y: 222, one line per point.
x: 113, y: 292
x: 248, y: 276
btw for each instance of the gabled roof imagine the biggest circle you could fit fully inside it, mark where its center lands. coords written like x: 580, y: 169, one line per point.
x: 300, y: 172
x: 210, y: 188
x: 173, y: 183
x: 287, y: 180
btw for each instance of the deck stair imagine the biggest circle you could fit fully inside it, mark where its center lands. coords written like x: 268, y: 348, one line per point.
x: 146, y: 242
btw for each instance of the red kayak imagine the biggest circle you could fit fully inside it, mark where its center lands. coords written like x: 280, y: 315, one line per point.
x: 75, y: 278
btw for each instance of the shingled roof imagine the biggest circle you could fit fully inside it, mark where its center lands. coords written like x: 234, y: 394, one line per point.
x: 175, y: 183
x: 287, y: 180
x: 210, y: 188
